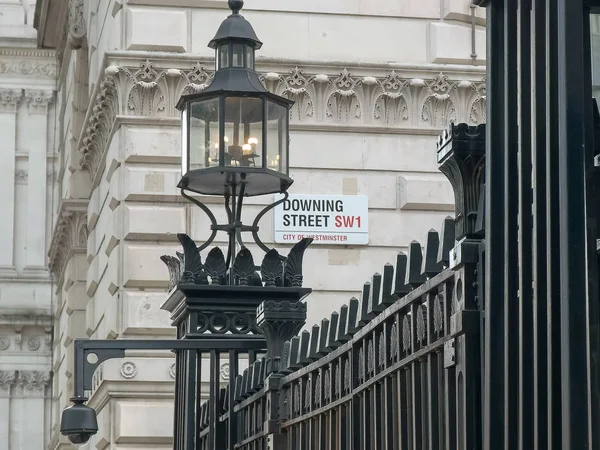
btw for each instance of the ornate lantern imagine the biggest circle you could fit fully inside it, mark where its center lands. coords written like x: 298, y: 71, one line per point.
x: 235, y: 133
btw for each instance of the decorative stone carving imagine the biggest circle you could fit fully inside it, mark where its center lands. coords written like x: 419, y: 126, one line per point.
x: 342, y: 102
x: 70, y: 235
x: 4, y: 342
x: 391, y: 104
x: 21, y: 176
x: 33, y: 380
x: 224, y: 372
x: 77, y: 28
x: 23, y: 67
x: 33, y: 343
x: 386, y: 99
x: 38, y: 101
x: 128, y: 370
x: 478, y: 102
x: 172, y: 370
x: 99, y: 127
x: 438, y: 106
x: 7, y: 379
x: 18, y: 329
x: 9, y: 99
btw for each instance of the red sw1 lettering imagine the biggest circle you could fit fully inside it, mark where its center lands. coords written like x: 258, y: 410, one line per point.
x: 347, y: 221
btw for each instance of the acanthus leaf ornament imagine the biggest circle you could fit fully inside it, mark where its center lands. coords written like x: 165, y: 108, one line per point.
x: 300, y: 89
x: 33, y: 380
x: 342, y: 103
x: 438, y: 106
x: 215, y: 266
x: 272, y: 268
x: 70, y: 235
x: 9, y: 99
x: 7, y: 379
x: 391, y: 105
x: 38, y: 100
x: 243, y: 268
x: 293, y: 265
x: 193, y: 270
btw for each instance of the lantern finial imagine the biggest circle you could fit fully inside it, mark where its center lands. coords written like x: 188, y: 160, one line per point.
x: 236, y: 5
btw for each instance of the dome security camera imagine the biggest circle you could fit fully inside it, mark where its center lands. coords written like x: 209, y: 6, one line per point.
x: 78, y: 422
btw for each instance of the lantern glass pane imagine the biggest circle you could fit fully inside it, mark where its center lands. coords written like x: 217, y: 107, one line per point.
x: 238, y: 55
x: 223, y: 56
x: 277, y: 136
x: 243, y: 132
x: 249, y: 57
x: 204, y: 134
x: 184, y: 141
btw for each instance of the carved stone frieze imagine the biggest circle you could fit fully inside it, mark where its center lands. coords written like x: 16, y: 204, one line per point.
x: 70, y: 235
x: 24, y: 67
x: 38, y: 100
x: 24, y: 382
x: 9, y: 99
x: 12, y: 339
x: 390, y: 99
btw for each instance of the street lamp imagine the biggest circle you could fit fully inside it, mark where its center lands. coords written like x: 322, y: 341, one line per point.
x: 235, y: 144
x: 235, y: 133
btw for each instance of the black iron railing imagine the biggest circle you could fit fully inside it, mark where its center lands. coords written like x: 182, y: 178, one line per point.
x: 399, y: 368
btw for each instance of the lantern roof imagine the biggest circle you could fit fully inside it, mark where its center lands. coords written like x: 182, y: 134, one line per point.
x: 235, y: 27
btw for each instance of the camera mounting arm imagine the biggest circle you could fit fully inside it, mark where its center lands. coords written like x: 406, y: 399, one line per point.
x: 89, y: 354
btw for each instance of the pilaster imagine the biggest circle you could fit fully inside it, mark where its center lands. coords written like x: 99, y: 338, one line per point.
x: 7, y: 381
x: 37, y: 101
x: 9, y: 100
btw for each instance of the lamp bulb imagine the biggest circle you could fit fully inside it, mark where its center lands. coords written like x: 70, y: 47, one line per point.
x: 252, y: 141
x: 226, y: 139
x: 246, y: 148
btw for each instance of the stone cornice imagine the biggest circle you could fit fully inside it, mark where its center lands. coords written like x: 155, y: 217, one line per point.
x: 388, y: 96
x: 165, y: 60
x: 27, y: 53
x: 69, y: 236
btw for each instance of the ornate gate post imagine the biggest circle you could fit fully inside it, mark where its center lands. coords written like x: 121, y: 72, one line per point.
x: 279, y: 321
x: 461, y: 155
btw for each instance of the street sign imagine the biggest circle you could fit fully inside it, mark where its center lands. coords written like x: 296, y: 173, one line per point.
x: 328, y: 219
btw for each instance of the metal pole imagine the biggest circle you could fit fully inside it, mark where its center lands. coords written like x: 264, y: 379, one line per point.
x: 573, y: 267
x: 493, y: 411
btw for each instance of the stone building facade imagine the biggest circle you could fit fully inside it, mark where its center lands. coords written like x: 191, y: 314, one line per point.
x: 27, y: 177
x: 374, y: 83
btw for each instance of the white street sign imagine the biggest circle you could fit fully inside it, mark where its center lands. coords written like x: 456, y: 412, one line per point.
x: 328, y: 219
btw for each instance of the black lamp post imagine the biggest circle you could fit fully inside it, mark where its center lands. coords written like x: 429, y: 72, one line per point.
x: 235, y: 143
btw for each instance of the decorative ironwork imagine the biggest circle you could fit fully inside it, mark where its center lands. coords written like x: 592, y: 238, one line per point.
x: 275, y: 270
x: 461, y: 157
